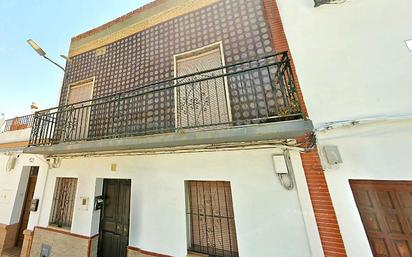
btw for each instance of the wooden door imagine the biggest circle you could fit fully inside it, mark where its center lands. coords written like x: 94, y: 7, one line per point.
x: 202, y: 99
x: 386, y: 211
x: 31, y: 185
x: 114, y: 219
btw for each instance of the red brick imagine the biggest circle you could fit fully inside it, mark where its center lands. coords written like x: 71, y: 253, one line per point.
x: 327, y: 223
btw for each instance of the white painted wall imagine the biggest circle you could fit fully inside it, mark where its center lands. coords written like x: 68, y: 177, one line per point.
x: 13, y: 185
x: 20, y: 135
x: 352, y: 63
x: 9, y: 181
x: 269, y: 219
x: 382, y: 151
x: 351, y: 58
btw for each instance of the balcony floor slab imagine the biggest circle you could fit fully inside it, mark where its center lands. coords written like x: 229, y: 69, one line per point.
x: 258, y: 132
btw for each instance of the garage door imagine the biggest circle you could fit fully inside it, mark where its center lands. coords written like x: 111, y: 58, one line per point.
x: 386, y: 211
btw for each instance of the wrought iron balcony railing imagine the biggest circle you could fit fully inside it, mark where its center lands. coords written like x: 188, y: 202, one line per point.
x: 18, y: 123
x: 250, y: 92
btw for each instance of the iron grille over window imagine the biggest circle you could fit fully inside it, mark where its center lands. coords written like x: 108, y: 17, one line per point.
x: 211, y: 220
x: 63, y: 202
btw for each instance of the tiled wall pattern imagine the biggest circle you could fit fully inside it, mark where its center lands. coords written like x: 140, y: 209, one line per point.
x: 147, y: 57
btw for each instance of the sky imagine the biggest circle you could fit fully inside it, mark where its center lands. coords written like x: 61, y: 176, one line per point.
x: 25, y: 77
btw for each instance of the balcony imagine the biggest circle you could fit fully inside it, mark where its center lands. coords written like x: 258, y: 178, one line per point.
x: 259, y: 91
x: 18, y: 123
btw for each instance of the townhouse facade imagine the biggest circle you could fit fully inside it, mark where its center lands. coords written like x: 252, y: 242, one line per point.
x: 360, y: 108
x: 182, y: 130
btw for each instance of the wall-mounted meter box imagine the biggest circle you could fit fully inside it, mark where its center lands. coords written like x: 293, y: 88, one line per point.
x: 34, y: 205
x: 332, y: 154
x: 279, y: 164
x: 98, y: 202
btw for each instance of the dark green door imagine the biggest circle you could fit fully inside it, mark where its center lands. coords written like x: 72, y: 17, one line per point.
x: 114, y: 218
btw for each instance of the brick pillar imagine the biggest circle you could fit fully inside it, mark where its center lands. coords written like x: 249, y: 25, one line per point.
x: 8, y: 236
x: 28, y: 238
x: 326, y: 220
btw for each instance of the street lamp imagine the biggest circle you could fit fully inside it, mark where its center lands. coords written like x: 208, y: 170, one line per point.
x: 41, y: 52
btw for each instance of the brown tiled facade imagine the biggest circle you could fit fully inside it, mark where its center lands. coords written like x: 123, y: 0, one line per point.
x: 148, y: 56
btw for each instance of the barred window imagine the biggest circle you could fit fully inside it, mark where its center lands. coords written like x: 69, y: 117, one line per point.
x: 211, y: 224
x: 63, y: 202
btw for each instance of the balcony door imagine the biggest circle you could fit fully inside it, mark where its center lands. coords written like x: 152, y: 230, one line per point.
x: 77, y: 114
x: 202, y: 98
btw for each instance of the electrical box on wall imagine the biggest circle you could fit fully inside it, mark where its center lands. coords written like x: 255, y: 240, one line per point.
x: 332, y: 154
x: 280, y: 164
x: 84, y: 203
x: 11, y: 162
x: 34, y: 205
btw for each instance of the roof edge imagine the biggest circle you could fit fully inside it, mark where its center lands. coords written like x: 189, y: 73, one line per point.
x: 147, y: 16
x: 117, y: 20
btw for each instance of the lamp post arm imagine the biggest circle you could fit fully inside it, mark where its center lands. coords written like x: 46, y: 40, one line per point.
x: 47, y: 58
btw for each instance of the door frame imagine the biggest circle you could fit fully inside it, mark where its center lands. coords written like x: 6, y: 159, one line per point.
x: 176, y: 57
x: 102, y: 210
x: 79, y: 84
x: 25, y: 199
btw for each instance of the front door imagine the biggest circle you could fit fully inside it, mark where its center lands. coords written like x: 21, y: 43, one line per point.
x: 114, y: 219
x: 31, y: 185
x: 386, y: 211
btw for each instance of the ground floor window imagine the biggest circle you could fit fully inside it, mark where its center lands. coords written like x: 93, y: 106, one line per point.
x: 210, y: 217
x: 63, y: 202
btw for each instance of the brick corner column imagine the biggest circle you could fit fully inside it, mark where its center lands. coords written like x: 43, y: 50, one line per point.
x: 28, y: 238
x: 327, y: 223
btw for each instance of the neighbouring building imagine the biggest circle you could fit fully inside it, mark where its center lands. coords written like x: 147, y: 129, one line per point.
x: 355, y: 72
x: 17, y: 181
x: 181, y: 131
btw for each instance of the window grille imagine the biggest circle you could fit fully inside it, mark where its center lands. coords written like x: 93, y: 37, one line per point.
x: 63, y: 202
x: 211, y: 219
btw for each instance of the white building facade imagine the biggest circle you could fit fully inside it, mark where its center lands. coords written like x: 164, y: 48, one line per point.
x: 19, y: 173
x: 355, y: 72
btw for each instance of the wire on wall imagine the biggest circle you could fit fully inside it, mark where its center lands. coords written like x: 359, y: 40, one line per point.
x: 287, y: 179
x: 322, y: 2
